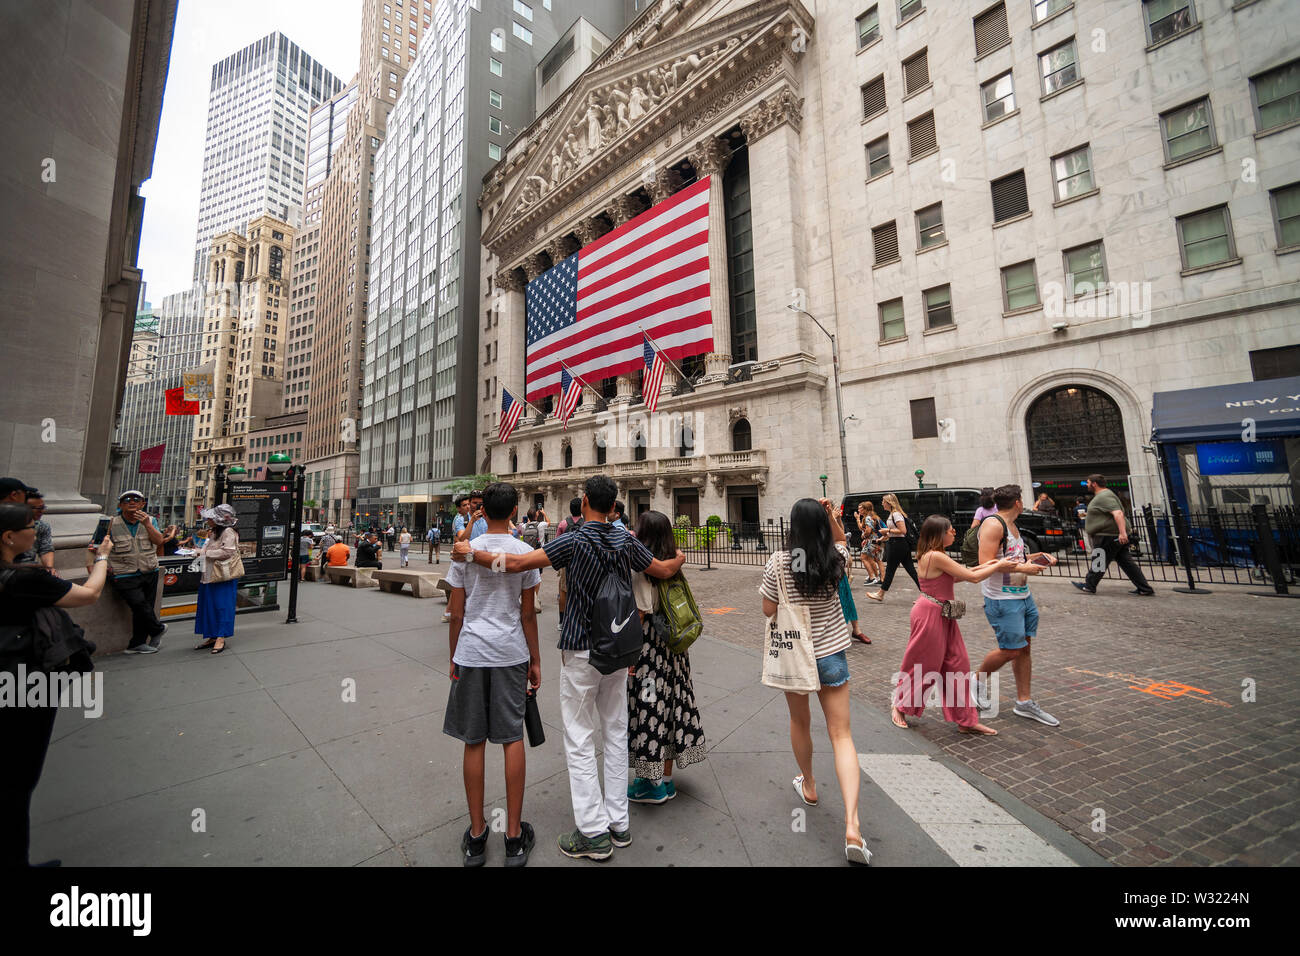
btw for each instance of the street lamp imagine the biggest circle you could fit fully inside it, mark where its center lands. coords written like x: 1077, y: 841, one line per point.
x: 920, y: 473
x: 823, y: 481
x: 839, y: 401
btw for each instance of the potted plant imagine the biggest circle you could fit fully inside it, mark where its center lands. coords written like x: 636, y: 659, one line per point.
x: 683, y: 531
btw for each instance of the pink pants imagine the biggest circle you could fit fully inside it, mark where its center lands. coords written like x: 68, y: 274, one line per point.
x: 936, y: 654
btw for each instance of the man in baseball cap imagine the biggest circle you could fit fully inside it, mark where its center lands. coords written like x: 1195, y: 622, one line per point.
x: 133, y: 564
x: 13, y: 490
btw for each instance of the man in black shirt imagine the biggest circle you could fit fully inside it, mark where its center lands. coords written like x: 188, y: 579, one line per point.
x: 368, y: 552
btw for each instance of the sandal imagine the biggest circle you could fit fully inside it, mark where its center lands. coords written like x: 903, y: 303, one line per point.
x: 798, y: 786
x: 205, y: 645
x: 857, y: 853
x: 895, y: 715
x: 861, y: 638
x: 218, y: 650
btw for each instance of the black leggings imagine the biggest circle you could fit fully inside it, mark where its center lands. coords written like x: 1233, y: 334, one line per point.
x: 897, y: 552
x: 26, y: 733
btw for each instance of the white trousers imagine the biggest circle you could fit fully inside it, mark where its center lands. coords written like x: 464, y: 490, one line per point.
x: 590, y: 700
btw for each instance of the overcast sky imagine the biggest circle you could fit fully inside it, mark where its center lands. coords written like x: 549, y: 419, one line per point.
x: 208, y: 31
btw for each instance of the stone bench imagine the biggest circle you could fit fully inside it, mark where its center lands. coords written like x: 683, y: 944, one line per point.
x: 424, y: 584
x: 312, y: 571
x: 352, y: 577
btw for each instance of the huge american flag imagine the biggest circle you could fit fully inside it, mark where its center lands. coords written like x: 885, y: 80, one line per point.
x: 650, y: 275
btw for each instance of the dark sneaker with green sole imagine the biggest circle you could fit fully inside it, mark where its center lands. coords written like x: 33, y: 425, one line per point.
x: 579, y: 846
x: 474, y: 848
x: 518, y: 848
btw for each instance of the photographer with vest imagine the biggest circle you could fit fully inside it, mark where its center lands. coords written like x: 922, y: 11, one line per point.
x: 133, y: 570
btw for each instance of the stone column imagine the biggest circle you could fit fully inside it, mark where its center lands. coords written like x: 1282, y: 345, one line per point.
x: 508, y: 315
x: 709, y: 157
x: 588, y: 230
x: 664, y: 184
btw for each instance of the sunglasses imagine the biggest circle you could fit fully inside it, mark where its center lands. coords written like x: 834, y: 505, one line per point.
x: 132, y: 498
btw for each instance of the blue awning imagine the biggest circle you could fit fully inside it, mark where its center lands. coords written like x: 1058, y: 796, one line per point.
x: 1217, y: 412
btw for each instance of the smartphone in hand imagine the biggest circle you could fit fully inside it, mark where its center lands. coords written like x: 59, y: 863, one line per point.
x: 101, y: 529
x: 1045, y: 560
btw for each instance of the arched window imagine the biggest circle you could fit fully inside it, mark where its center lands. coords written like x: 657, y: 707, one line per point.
x: 568, y: 456
x: 741, y: 437
x: 539, y: 459
x: 638, y: 446
x: 686, y: 442
x: 600, y: 449
x: 1073, y: 431
x: 514, y: 463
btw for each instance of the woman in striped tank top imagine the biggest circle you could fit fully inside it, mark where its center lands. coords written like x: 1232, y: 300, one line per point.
x: 814, y: 561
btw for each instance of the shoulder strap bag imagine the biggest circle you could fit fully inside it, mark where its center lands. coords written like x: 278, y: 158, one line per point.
x: 789, y: 661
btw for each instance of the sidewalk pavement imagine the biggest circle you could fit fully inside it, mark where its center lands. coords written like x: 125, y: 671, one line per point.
x: 254, y: 757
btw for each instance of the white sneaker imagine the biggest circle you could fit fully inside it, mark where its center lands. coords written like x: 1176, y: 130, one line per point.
x: 1031, y: 710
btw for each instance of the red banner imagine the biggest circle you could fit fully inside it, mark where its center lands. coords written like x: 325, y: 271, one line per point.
x: 151, y: 459
x: 176, y: 404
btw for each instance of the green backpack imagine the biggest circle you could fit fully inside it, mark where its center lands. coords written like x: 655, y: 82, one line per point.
x: 677, y: 620
x: 970, y: 542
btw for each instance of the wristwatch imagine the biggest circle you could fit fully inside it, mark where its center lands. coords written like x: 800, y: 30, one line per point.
x: 470, y: 555
x: 101, y: 557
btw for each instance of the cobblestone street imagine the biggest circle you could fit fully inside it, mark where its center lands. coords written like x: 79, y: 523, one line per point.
x: 1184, y: 772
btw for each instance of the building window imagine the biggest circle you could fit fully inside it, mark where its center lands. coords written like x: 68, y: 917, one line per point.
x: 1277, y: 96
x: 929, y: 227
x: 884, y: 242
x: 1188, y: 130
x: 539, y: 460
x: 524, y: 10
x: 1206, y: 238
x: 1019, y: 287
x: 740, y: 258
x: 568, y: 456
x: 494, y: 65
x: 1010, y: 196
x: 873, y: 98
x: 920, y: 136
x: 494, y: 125
x: 916, y: 72
x: 494, y: 151
x: 868, y: 28
x: 1085, y: 268
x: 938, y: 307
x: 601, y: 451
x: 1072, y: 173
x: 494, y: 99
x: 742, y: 438
x: 891, y: 320
x: 998, y: 96
x: 909, y: 8
x: 1058, y: 67
x: 878, y: 157
x: 498, y: 40
x: 1281, y: 362
x: 925, y: 423
x: 991, y: 30
x: 1168, y: 18
x: 522, y: 31
x: 1048, y: 8
x: 1286, y: 215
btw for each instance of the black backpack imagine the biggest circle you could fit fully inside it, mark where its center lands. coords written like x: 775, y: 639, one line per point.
x: 614, y: 628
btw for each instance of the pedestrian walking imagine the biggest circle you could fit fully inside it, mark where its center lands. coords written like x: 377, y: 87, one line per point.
x: 304, y: 554
x: 1008, y: 605
x: 1081, y: 518
x: 494, y: 661
x: 663, y: 721
x: 222, y: 567
x: 1045, y: 505
x: 936, y: 653
x: 848, y: 606
x: 987, y: 506
x: 872, y: 543
x: 1108, y: 533
x: 434, y: 538
x: 404, y: 546
x: 599, y: 558
x: 133, y: 564
x: 811, y: 565
x: 897, y: 550
x: 24, y: 590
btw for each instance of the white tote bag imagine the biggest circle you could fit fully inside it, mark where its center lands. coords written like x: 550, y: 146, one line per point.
x: 789, y: 662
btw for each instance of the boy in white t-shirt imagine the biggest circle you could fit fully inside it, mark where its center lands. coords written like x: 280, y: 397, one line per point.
x: 495, y: 659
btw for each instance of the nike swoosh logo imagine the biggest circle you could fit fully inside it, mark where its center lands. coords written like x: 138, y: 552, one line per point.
x: 616, y: 627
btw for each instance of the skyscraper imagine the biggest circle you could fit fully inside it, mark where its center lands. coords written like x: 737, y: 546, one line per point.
x: 475, y: 85
x: 391, y: 33
x: 255, y: 154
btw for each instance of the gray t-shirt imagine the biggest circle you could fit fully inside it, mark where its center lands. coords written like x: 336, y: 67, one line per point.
x: 492, y: 634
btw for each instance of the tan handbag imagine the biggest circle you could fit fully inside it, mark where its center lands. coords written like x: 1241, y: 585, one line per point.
x: 789, y: 661
x: 226, y: 569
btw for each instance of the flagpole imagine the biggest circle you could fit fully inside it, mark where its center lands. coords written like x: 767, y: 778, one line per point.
x: 676, y: 367
x: 578, y: 378
x: 519, y: 397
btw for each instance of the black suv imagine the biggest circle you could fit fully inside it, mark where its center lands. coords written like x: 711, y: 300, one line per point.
x: 1041, y: 532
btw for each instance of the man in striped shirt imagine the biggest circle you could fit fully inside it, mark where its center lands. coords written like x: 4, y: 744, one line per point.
x: 602, y: 820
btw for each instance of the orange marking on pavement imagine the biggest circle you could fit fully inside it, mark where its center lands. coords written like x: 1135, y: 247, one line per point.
x: 719, y: 610
x: 1168, y: 689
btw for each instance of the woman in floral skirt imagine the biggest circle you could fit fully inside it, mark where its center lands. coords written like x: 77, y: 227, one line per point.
x: 663, y: 723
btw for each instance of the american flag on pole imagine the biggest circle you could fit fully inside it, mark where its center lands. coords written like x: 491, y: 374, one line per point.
x: 570, y: 395
x: 654, y: 375
x: 651, y: 274
x: 511, y: 409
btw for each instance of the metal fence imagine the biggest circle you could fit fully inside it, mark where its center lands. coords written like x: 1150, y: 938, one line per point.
x: 1254, y: 547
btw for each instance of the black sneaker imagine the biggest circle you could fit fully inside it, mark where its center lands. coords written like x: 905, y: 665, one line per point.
x: 474, y: 847
x: 518, y: 848
x: 1083, y: 587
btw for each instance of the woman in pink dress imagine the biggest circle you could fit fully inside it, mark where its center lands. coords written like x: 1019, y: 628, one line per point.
x: 935, y: 651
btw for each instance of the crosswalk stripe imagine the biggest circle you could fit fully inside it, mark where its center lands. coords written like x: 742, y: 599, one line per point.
x: 966, y: 825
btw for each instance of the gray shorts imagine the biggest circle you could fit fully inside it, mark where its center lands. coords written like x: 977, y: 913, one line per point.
x: 487, y: 703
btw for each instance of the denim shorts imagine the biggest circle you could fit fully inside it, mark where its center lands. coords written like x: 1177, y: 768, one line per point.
x: 833, y: 671
x: 1014, y: 621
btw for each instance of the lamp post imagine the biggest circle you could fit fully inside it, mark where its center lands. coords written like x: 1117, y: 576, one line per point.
x: 839, y: 400
x: 822, y: 478
x: 278, y: 466
x: 920, y: 473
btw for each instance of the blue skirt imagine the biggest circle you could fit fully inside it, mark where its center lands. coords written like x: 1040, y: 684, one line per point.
x: 216, y: 614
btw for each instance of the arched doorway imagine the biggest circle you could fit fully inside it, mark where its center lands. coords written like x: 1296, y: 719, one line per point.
x: 1074, y: 431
